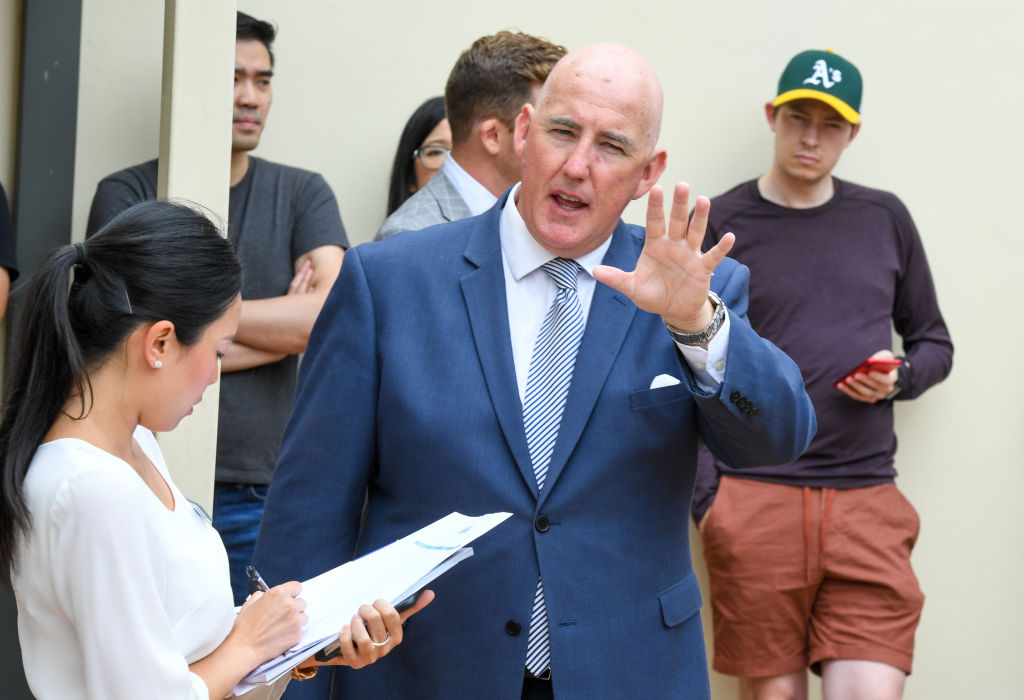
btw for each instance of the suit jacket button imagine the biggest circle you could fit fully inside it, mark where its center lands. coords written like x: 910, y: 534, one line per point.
x: 513, y: 628
x: 735, y: 395
x: 542, y: 524
x: 754, y: 411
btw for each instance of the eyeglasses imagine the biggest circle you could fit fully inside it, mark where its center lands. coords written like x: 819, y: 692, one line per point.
x: 431, y: 156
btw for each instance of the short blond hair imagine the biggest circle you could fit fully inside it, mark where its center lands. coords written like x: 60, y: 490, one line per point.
x: 494, y: 78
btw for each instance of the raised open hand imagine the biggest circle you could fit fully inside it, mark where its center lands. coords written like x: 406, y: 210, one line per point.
x: 672, y: 277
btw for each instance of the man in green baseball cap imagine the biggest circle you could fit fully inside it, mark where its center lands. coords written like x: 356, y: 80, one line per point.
x: 809, y: 563
x: 824, y: 76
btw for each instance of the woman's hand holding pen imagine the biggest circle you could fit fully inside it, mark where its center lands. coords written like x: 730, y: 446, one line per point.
x: 373, y: 632
x: 271, y: 621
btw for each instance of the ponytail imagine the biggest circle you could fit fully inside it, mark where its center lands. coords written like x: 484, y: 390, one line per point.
x: 156, y: 261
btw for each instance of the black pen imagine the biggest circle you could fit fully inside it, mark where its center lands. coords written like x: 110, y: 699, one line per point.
x: 256, y: 579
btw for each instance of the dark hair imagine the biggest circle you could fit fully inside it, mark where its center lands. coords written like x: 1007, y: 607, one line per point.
x: 494, y: 77
x: 156, y: 261
x: 403, y: 173
x: 250, y: 28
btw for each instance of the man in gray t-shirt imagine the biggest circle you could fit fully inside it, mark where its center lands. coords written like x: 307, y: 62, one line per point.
x: 288, y: 233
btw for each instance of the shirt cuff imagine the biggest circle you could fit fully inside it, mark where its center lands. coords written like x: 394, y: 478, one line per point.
x: 708, y: 365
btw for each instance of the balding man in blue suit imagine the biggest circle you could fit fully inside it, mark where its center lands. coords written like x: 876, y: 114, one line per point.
x: 418, y: 379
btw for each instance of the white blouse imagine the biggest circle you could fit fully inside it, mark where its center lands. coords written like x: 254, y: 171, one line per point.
x: 116, y: 594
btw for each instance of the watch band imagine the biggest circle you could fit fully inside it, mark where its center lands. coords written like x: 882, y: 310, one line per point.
x: 704, y: 336
x: 304, y: 674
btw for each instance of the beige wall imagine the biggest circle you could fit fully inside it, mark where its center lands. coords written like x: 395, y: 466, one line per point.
x: 10, y: 67
x: 942, y: 97
x: 10, y: 64
x: 119, y: 93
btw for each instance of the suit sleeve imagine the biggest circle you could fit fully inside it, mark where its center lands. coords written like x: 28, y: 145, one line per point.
x: 761, y: 414
x: 313, y: 507
x: 312, y: 514
x: 733, y: 293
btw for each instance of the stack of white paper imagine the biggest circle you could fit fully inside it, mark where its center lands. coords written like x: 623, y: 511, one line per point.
x: 393, y: 573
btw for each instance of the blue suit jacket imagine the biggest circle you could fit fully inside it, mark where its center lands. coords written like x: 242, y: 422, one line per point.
x: 408, y: 393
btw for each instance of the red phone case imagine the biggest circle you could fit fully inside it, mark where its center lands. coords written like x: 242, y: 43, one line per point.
x: 872, y: 364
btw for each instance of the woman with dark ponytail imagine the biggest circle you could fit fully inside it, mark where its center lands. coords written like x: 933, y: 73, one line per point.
x: 122, y: 584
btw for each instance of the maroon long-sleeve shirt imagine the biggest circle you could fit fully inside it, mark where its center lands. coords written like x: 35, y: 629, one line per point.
x: 828, y: 285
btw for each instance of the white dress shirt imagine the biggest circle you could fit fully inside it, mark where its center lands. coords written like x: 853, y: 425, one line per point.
x: 529, y: 292
x: 117, y: 594
x: 477, y: 197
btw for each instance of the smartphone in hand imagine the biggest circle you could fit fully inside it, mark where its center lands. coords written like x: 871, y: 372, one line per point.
x: 872, y: 364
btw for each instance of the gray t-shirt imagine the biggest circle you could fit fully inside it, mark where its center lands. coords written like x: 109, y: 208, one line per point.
x: 276, y: 214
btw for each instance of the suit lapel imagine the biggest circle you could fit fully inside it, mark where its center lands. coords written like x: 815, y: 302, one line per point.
x: 608, y: 322
x: 611, y: 314
x: 449, y: 201
x: 486, y: 303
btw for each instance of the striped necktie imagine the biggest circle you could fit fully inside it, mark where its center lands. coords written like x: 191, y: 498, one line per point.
x: 547, y: 386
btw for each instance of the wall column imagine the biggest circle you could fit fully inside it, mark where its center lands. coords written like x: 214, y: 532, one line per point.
x: 195, y: 164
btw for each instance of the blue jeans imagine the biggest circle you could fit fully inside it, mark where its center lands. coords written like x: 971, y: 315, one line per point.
x: 237, y: 510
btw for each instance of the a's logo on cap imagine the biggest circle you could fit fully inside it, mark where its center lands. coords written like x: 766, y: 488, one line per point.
x: 824, y: 76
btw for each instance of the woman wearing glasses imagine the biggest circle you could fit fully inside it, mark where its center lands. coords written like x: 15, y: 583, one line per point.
x: 122, y: 585
x: 422, y: 149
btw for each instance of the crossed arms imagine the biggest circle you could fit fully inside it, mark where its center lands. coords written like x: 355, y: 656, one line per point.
x: 271, y: 329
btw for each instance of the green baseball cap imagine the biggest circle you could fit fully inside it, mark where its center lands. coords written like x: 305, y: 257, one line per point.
x: 824, y: 76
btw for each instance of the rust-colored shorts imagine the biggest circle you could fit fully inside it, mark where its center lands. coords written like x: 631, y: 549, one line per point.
x: 800, y: 575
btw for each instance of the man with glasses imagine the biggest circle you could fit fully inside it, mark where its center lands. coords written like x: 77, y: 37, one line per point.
x: 288, y: 233
x: 490, y: 83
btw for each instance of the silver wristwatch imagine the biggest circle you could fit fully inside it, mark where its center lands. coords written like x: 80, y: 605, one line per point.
x: 704, y: 336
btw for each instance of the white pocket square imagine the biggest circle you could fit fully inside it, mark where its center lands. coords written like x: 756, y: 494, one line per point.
x: 663, y: 380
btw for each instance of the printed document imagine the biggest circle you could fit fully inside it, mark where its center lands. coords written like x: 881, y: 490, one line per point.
x: 393, y: 573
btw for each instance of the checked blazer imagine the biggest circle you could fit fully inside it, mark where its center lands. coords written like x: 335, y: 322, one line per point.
x: 437, y: 203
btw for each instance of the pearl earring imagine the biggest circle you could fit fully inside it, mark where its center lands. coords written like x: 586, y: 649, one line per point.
x: 158, y: 364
